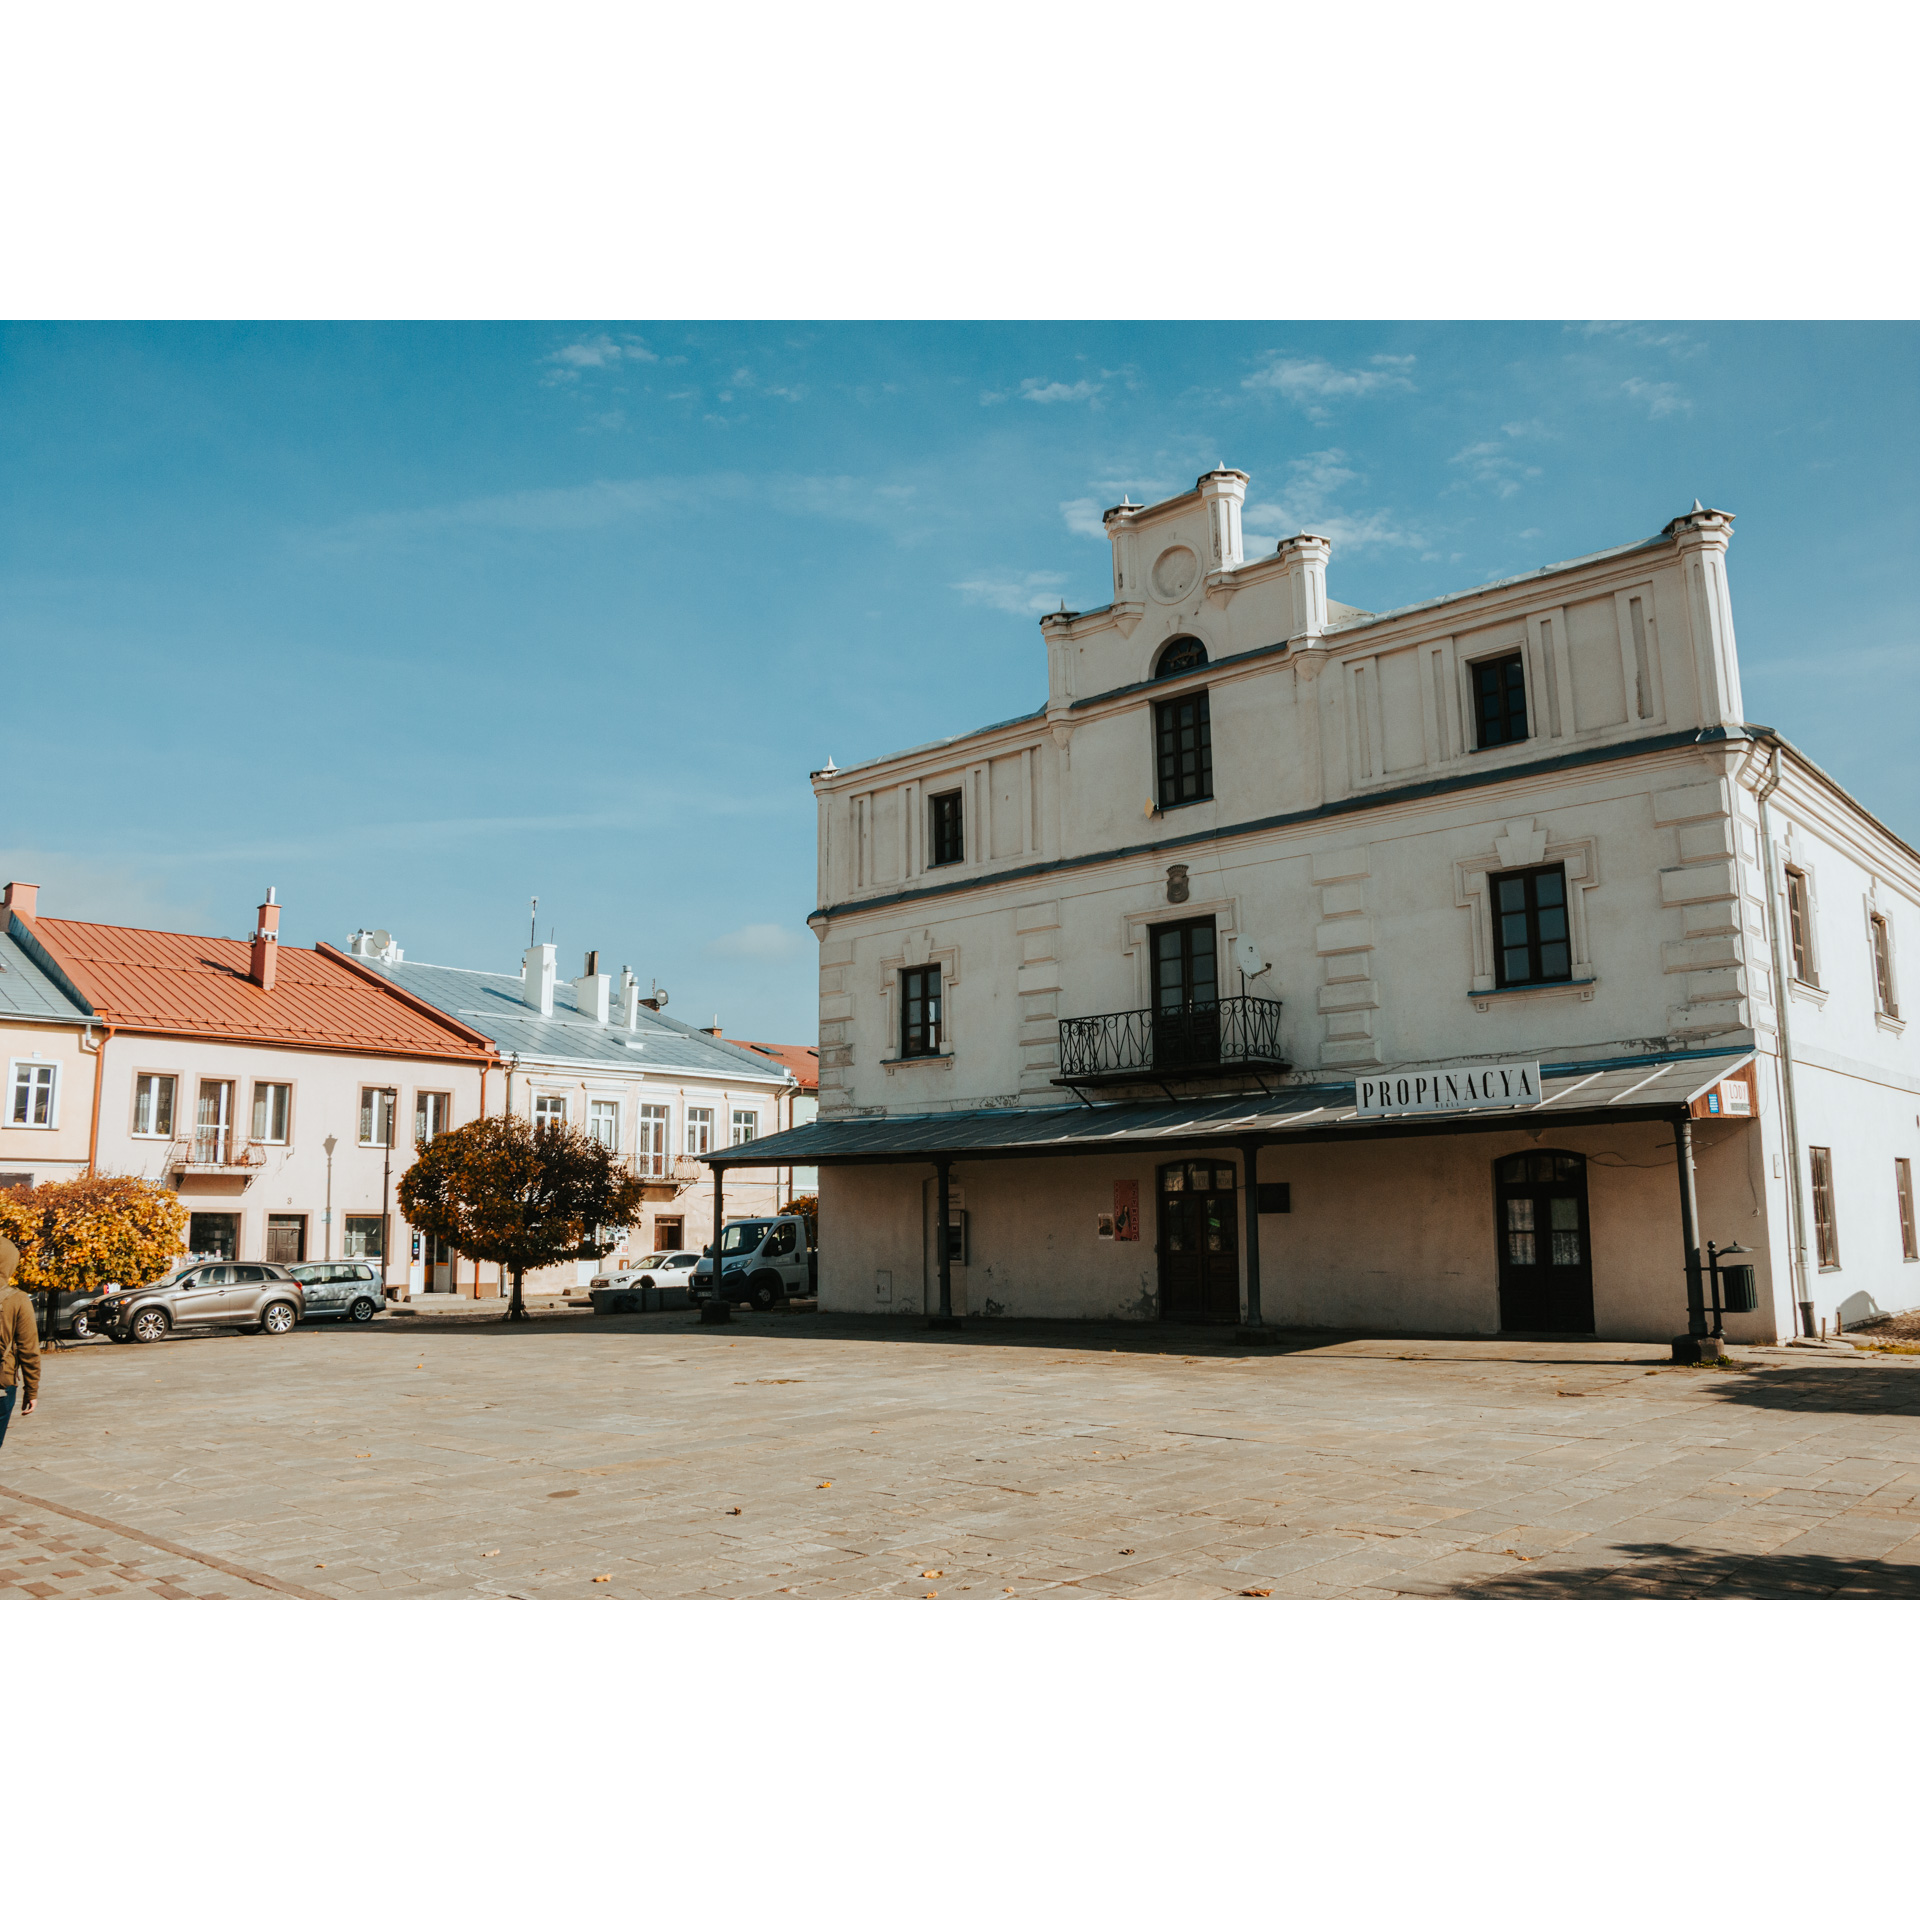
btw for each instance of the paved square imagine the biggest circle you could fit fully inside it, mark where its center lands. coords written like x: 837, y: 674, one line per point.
x: 794, y: 1455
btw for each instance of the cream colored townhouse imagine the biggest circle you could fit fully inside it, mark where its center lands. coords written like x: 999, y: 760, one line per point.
x: 595, y: 1052
x: 1468, y: 968
x: 280, y: 1093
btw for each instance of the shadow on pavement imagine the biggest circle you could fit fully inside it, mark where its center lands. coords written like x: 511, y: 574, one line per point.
x: 1864, y: 1387
x: 1093, y: 1337
x: 1665, y: 1572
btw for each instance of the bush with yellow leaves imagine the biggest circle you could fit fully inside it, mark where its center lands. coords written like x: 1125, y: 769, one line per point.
x: 83, y: 1233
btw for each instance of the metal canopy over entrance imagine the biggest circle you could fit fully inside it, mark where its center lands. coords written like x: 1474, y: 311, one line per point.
x: 1579, y: 1093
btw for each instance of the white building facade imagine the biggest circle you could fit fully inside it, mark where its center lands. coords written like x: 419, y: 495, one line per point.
x: 595, y: 1053
x: 1140, y: 975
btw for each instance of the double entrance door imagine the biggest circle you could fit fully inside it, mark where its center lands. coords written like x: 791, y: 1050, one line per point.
x: 1199, y: 1243
x: 1546, y: 1246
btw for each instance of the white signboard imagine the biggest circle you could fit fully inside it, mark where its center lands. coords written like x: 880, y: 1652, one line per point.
x: 1511, y: 1083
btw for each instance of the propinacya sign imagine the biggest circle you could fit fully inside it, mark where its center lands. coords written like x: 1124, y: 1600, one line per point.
x: 1510, y: 1083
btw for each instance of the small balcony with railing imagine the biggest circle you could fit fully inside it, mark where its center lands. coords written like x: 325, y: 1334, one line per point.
x: 1234, y: 1038
x: 214, y: 1153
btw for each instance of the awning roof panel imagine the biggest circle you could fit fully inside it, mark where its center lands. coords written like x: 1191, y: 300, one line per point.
x: 1650, y: 1087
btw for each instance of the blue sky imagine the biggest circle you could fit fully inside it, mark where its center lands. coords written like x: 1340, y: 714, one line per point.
x: 416, y: 621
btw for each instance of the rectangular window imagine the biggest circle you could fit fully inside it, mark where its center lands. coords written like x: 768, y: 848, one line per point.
x: 1882, y: 968
x: 214, y: 1236
x: 1499, y: 701
x: 654, y: 1125
x: 1903, y: 1188
x: 1185, y: 966
x: 746, y: 1126
x: 153, y: 1106
x: 376, y: 1116
x: 272, y: 1102
x: 699, y: 1129
x: 1183, y: 731
x: 366, y: 1237
x: 919, y: 1012
x: 1800, y: 924
x: 432, y: 1116
x: 1531, y: 943
x: 949, y: 832
x: 666, y: 1233
x: 549, y: 1110
x: 1826, y: 1225
x: 33, y: 1103
x: 213, y: 1124
x: 603, y: 1122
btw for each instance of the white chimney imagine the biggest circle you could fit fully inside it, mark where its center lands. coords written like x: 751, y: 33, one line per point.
x: 536, y: 988
x: 590, y: 991
x: 629, y: 1000
x: 1305, y: 559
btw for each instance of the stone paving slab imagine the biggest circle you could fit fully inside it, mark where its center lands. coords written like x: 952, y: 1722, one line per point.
x: 790, y: 1457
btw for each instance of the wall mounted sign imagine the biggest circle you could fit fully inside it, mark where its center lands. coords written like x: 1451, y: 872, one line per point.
x: 1126, y: 1209
x: 1732, y: 1099
x: 1512, y: 1083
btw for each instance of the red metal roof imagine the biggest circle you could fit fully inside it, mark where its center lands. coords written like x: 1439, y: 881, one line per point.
x: 193, y: 984
x: 802, y: 1062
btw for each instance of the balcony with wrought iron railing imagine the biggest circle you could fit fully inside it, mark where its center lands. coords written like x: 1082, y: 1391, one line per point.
x: 1237, y: 1037
x: 213, y: 1152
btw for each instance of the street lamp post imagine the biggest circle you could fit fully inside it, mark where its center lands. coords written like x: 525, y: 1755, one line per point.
x: 392, y: 1099
x: 326, y: 1219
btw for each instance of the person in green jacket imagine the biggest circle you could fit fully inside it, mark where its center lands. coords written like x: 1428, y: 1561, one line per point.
x: 19, y: 1341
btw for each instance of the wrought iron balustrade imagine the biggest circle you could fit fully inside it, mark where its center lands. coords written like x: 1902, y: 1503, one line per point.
x: 1238, y: 1034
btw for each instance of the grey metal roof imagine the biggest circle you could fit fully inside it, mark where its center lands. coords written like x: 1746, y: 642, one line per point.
x: 490, y: 1003
x: 29, y: 993
x: 1652, y: 1087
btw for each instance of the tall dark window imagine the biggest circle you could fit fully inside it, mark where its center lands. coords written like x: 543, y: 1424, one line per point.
x: 919, y: 1011
x: 1903, y: 1192
x: 1184, y: 735
x: 1499, y: 700
x: 949, y: 831
x: 1882, y: 967
x: 1800, y: 924
x: 1185, y: 965
x: 1530, y: 935
x: 1826, y: 1223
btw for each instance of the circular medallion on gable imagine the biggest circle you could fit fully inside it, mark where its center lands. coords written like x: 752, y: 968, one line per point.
x: 1174, y: 572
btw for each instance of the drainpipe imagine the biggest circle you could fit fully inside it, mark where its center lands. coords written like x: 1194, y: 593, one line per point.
x: 1796, y: 1202
x: 99, y: 1069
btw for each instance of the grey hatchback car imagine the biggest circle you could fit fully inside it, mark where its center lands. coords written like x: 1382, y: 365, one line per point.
x: 219, y: 1293
x: 340, y: 1290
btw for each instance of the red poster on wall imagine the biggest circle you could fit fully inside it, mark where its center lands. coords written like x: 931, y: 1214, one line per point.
x: 1126, y: 1209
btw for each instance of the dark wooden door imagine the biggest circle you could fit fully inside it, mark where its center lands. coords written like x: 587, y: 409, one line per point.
x: 287, y: 1238
x: 1186, y: 995
x: 1199, y: 1242
x: 1546, y: 1248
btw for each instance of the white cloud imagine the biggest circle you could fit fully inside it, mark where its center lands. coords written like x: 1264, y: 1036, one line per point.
x: 1049, y: 393
x: 1305, y: 505
x: 1491, y: 463
x: 1027, y: 593
x: 1662, y: 396
x: 765, y: 943
x: 1310, y: 384
x: 1084, y: 516
x: 602, y: 350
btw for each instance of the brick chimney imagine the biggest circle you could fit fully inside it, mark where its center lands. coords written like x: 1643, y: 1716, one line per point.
x: 22, y: 896
x: 265, y: 959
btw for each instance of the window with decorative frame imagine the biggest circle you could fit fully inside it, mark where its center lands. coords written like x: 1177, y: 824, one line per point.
x: 920, y: 1023
x: 746, y: 1126
x: 1881, y: 938
x: 549, y: 1110
x: 603, y: 1122
x: 1499, y: 701
x: 650, y: 1150
x: 1800, y: 925
x: 1532, y: 943
x: 699, y: 1130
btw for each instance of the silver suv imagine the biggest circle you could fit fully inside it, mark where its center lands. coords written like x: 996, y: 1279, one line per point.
x: 340, y: 1288
x: 219, y: 1293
